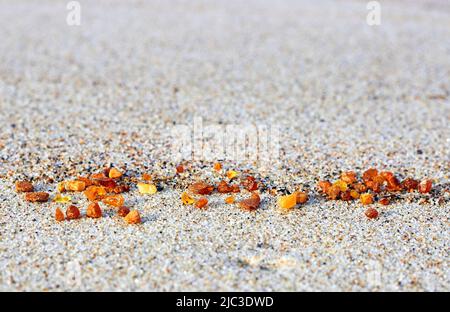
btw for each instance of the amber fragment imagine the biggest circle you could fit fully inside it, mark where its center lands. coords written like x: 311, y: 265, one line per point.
x: 123, y: 211
x: 115, y: 173
x: 59, y: 215
x: 324, y: 186
x: 370, y: 174
x: 288, y: 201
x: 24, y: 186
x: 37, y: 197
x: 186, y: 199
x: 302, y: 197
x: 201, y: 188
x: 250, y: 204
x: 217, y: 166
x: 223, y: 187
x: 349, y: 177
x: 94, y: 193
x: 72, y: 212
x: 230, y: 200
x: 371, y: 213
x: 133, y: 217
x: 366, y: 199
x: 201, y: 203
x: 180, y: 169
x: 114, y: 200
x: 409, y: 184
x: 384, y: 201
x: 94, y: 211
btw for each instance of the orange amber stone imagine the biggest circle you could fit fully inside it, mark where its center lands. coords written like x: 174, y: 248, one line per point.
x: 384, y: 201
x: 224, y: 188
x: 59, y: 215
x: 230, y: 200
x: 72, y: 213
x: 201, y: 188
x: 302, y: 197
x: 114, y: 173
x: 201, y: 203
x: 123, y: 211
x: 133, y: 217
x: 324, y: 185
x: 250, y: 204
x: 410, y: 185
x: 94, y: 211
x: 94, y: 193
x: 180, y: 169
x: 371, y: 213
x: 366, y: 199
x: 369, y: 174
x: 349, y: 177
x: 114, y: 200
x: 217, y: 166
x: 288, y: 201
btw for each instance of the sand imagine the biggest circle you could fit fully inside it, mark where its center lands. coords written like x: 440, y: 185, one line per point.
x: 345, y: 96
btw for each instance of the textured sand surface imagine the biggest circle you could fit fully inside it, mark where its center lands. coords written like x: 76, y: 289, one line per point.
x: 346, y: 96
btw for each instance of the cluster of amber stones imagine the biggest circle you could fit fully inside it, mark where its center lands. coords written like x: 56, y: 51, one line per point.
x: 374, y: 184
x: 229, y: 185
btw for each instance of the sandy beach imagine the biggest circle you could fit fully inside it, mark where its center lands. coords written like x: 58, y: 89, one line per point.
x: 345, y: 96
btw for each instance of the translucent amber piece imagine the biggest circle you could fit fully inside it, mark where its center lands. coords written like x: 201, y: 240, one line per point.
x: 217, y: 166
x: 250, y: 204
x: 133, y: 217
x: 75, y: 186
x: 115, y: 173
x: 230, y: 200
x: 201, y: 203
x: 349, y: 177
x: 302, y: 197
x: 59, y: 215
x: 231, y: 174
x: 186, y: 199
x: 114, y: 200
x: 94, y: 193
x: 288, y: 201
x: 341, y: 185
x: 61, y: 199
x: 94, y: 211
x: 366, y: 199
x: 145, y: 188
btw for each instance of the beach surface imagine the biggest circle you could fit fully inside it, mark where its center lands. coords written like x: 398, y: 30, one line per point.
x: 345, y: 96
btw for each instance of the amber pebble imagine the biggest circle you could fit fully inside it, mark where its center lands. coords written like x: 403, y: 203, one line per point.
x: 410, y: 184
x: 230, y: 200
x: 59, y: 215
x: 114, y: 173
x: 349, y: 177
x: 250, y: 204
x: 369, y: 174
x: 333, y: 192
x: 201, y: 203
x: 371, y: 213
x: 384, y: 201
x: 24, y: 186
x: 346, y: 195
x: 123, y: 211
x: 223, y: 187
x: 324, y: 186
x: 94, y: 211
x: 287, y: 201
x: 201, y: 188
x: 180, y: 169
x: 133, y: 217
x: 366, y: 199
x: 72, y: 212
x: 114, y: 200
x: 37, y: 197
x: 302, y: 197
